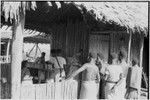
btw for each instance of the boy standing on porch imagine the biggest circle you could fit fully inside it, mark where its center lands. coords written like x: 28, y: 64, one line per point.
x: 125, y: 66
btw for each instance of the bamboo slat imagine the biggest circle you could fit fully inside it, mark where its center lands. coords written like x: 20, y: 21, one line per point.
x: 51, y: 91
x: 40, y: 90
x: 28, y: 92
x: 56, y: 91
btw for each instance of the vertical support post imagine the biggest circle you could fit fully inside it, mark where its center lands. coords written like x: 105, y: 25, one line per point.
x: 7, y: 54
x: 129, y: 46
x: 36, y: 50
x: 16, y: 51
x: 141, y: 60
x: 141, y: 50
x: 50, y: 51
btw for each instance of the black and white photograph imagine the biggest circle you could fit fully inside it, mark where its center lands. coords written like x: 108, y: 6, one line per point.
x: 74, y: 50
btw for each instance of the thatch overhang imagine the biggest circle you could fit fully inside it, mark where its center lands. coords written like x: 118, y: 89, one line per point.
x: 132, y: 15
x: 46, y: 14
x: 128, y: 16
x: 30, y: 36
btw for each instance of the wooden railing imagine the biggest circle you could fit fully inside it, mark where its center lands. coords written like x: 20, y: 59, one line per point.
x: 56, y: 91
x: 4, y: 59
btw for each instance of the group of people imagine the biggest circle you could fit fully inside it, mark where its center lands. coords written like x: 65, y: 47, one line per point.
x: 99, y: 80
x: 116, y: 80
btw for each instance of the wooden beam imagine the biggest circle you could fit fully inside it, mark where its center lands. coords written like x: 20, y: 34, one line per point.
x: 108, y: 32
x: 129, y: 46
x: 39, y: 48
x: 16, y: 55
x: 32, y: 49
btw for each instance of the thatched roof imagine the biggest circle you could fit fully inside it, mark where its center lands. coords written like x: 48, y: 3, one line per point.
x: 11, y: 9
x: 132, y: 15
x: 30, y: 36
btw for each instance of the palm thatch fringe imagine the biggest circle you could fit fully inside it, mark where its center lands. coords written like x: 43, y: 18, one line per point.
x: 11, y: 9
x: 132, y: 15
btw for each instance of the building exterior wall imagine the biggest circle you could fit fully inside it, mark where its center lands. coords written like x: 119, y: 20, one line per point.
x: 70, y: 37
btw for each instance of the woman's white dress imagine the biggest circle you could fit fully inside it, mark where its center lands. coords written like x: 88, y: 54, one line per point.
x: 89, y: 90
x: 125, y: 68
x: 89, y: 86
x: 113, y: 72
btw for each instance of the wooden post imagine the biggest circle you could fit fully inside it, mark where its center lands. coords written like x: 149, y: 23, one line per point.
x: 36, y: 50
x: 129, y: 46
x: 141, y: 60
x: 7, y: 54
x: 16, y: 58
x: 141, y: 50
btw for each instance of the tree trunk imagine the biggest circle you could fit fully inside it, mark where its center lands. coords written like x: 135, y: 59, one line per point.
x: 16, y: 58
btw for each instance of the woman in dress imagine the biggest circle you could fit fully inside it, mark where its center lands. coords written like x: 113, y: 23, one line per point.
x: 125, y: 67
x: 113, y: 77
x: 90, y: 79
x: 101, y: 63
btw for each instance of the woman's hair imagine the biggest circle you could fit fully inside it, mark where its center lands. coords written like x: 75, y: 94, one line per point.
x: 112, y: 57
x: 43, y: 53
x: 134, y: 61
x: 100, y: 55
x: 122, y: 55
x: 91, y: 56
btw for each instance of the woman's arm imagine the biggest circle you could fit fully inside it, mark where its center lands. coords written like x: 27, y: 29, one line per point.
x: 78, y: 71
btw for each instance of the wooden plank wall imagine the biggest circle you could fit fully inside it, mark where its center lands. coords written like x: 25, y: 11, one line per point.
x: 70, y: 38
